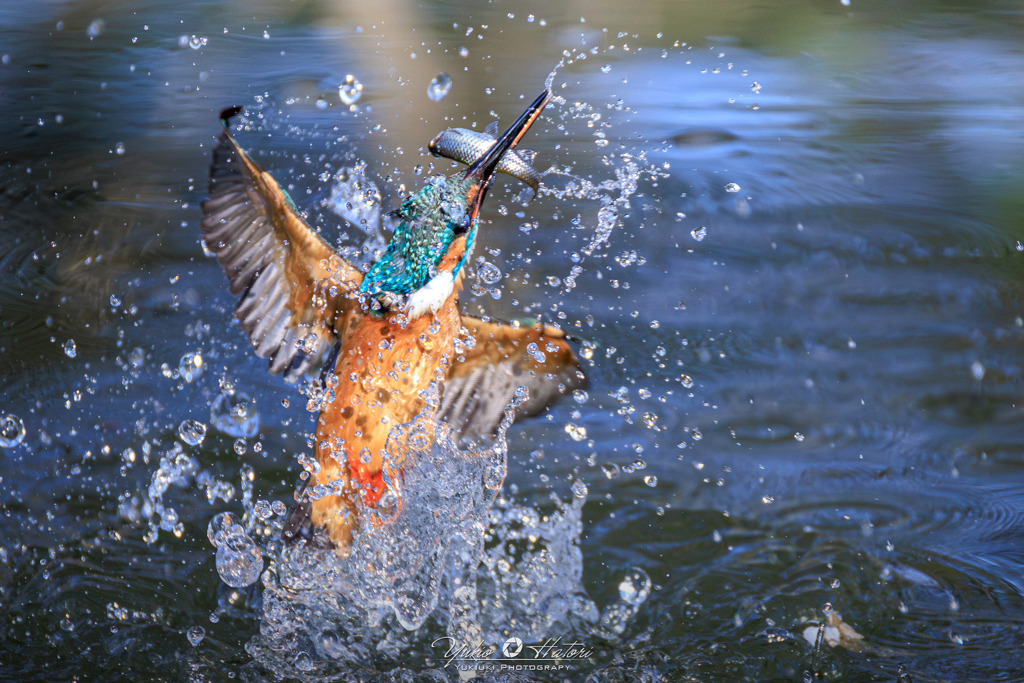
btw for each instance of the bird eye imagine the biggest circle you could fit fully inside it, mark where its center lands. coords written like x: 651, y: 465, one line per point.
x: 463, y: 227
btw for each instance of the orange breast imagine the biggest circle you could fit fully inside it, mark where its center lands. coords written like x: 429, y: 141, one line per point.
x: 380, y: 374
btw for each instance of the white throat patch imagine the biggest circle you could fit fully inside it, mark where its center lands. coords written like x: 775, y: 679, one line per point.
x: 430, y: 296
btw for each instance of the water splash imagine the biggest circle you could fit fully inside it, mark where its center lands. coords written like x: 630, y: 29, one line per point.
x: 456, y: 564
x: 633, y: 592
x: 176, y: 468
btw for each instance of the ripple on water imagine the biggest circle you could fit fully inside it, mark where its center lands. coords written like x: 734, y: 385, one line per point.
x: 944, y: 615
x: 930, y: 611
x: 893, y: 512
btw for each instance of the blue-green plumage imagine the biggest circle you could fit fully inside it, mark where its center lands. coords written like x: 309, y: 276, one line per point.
x: 430, y: 220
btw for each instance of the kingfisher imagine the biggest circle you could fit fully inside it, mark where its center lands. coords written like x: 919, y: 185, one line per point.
x: 381, y: 338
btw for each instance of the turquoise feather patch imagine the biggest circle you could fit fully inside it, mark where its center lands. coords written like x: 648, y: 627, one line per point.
x: 431, y: 219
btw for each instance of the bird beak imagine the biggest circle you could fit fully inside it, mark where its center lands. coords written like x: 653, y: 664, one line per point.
x: 483, y: 169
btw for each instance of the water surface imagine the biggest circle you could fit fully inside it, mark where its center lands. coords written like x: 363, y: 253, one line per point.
x: 805, y: 388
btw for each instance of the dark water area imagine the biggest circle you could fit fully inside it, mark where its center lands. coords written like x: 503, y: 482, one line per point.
x: 806, y: 382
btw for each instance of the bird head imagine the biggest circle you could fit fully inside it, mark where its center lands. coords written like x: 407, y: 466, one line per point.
x: 438, y: 224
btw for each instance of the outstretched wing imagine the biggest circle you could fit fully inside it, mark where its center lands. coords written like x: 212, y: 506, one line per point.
x: 483, y: 379
x: 297, y: 295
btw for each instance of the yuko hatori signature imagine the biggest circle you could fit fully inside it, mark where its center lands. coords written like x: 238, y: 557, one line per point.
x: 551, y: 650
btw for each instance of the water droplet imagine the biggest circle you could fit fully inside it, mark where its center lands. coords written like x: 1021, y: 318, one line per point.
x: 576, y: 432
x: 96, y: 28
x: 488, y: 273
x: 463, y: 51
x: 217, y: 529
x: 235, y: 415
x: 137, y: 357
x: 192, y: 432
x: 579, y: 489
x: 195, y: 635
x: 439, y: 87
x: 70, y: 349
x: 190, y: 367
x: 580, y: 396
x: 630, y: 258
x: 686, y: 381
x: 262, y: 509
x: 699, y: 233
x: 332, y: 644
x: 12, y: 431
x: 239, y: 562
x: 635, y: 587
x: 651, y: 480
x: 606, y: 68
x: 119, y: 148
x: 798, y: 436
x: 977, y: 370
x: 195, y: 42
x: 303, y: 662
x: 350, y: 90
x: 732, y: 187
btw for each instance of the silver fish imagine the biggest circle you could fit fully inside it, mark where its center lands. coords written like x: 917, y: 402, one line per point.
x: 466, y: 146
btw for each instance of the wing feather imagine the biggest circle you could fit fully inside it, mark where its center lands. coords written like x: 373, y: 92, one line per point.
x: 503, y: 357
x: 291, y: 284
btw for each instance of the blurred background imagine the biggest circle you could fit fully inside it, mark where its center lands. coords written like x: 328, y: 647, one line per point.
x: 806, y: 378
